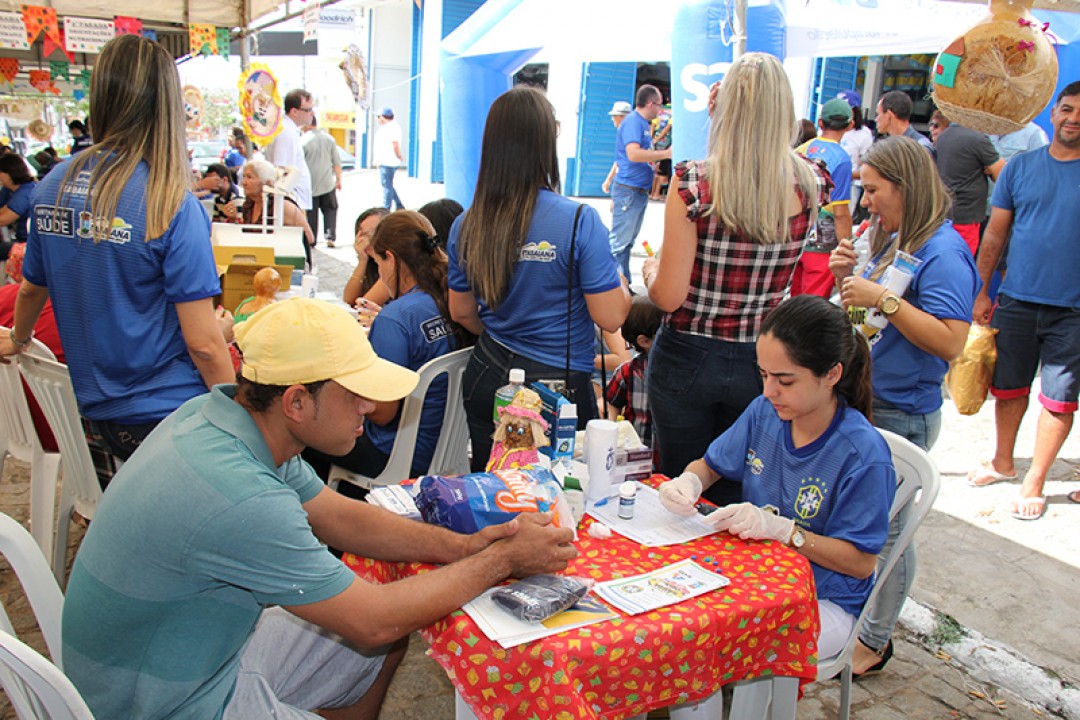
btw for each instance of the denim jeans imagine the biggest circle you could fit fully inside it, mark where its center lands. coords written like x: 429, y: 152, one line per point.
x: 629, y: 205
x: 921, y: 430
x: 390, y: 196
x: 488, y: 370
x: 698, y: 387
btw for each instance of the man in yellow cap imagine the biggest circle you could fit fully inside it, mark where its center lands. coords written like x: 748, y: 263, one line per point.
x: 215, y: 518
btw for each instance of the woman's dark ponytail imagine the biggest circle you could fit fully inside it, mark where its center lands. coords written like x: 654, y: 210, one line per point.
x: 817, y: 335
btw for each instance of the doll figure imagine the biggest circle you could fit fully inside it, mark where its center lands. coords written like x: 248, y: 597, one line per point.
x: 519, y: 434
x: 267, y: 282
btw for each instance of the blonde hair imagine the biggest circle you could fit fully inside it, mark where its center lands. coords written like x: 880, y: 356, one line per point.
x: 907, y: 165
x: 136, y: 115
x: 751, y: 162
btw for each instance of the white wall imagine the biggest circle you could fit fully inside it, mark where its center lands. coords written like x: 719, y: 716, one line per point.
x: 391, y: 53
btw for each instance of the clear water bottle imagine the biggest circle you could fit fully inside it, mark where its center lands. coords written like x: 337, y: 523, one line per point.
x: 505, y: 395
x: 862, y: 254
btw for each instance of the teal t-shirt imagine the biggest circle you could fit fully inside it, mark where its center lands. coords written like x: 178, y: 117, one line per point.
x: 198, y: 532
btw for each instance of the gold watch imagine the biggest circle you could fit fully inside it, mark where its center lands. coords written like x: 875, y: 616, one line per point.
x: 890, y: 304
x: 798, y: 538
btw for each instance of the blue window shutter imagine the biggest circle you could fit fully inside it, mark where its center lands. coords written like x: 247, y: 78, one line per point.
x: 831, y: 75
x: 602, y: 84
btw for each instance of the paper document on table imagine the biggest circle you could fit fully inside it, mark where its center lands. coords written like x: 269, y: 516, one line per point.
x: 507, y: 630
x: 668, y: 585
x: 653, y: 525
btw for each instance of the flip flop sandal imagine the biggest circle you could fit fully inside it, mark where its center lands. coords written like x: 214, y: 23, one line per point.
x: 1074, y: 496
x: 1036, y: 503
x: 987, y: 475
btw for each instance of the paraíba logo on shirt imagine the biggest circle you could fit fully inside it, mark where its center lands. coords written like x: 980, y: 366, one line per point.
x: 811, y: 495
x: 119, y: 232
x: 542, y: 251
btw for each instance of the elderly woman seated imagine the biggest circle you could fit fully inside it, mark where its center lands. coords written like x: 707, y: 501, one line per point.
x: 257, y: 175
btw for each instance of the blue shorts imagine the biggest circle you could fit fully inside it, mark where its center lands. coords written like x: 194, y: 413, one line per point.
x: 1030, y: 333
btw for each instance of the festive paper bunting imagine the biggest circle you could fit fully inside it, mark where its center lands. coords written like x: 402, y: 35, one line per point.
x: 311, y: 21
x: 40, y: 20
x: 9, y: 68
x: 127, y: 25
x: 202, y: 38
x: 87, y: 34
x: 40, y: 80
x: 58, y: 44
x: 58, y: 69
x: 84, y: 77
x: 223, y: 42
x: 149, y: 34
x: 78, y: 94
x: 13, y: 31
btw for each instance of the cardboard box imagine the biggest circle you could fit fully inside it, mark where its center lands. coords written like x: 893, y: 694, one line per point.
x: 286, y: 242
x: 237, y: 267
x: 561, y: 416
x: 636, y: 464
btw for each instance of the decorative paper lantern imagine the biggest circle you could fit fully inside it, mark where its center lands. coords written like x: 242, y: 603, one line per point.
x: 1000, y: 74
x: 260, y: 104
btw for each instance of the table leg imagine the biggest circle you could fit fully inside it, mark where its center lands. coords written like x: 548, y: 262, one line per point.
x: 785, y: 695
x: 462, y: 711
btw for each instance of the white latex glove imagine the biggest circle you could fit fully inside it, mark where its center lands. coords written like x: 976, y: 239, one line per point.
x: 752, y: 523
x: 679, y: 495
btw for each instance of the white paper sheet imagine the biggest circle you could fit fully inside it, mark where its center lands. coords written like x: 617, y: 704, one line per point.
x: 652, y: 525
x: 668, y: 585
x: 507, y: 630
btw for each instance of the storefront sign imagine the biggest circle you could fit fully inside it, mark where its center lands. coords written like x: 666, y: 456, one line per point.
x: 337, y: 119
x: 12, y: 32
x: 86, y: 34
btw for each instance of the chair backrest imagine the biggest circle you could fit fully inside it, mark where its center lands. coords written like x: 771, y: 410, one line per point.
x: 17, y: 434
x: 36, y: 687
x: 38, y: 584
x: 51, y: 385
x: 451, y: 449
x: 918, y: 482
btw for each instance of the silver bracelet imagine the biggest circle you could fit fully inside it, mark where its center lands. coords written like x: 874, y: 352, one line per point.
x: 20, y: 343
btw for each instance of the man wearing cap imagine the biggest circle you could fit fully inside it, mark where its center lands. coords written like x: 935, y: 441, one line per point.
x: 856, y: 141
x: 618, y: 113
x: 388, y: 156
x: 812, y: 275
x: 894, y: 118
x: 215, y: 520
x: 80, y: 138
x: 633, y: 178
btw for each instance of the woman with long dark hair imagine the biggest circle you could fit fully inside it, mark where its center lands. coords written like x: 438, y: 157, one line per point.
x: 18, y: 185
x: 122, y: 247
x: 411, y: 330
x: 512, y: 281
x: 806, y: 449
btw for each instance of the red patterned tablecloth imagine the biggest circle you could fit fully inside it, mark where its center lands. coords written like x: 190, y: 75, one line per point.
x: 764, y: 623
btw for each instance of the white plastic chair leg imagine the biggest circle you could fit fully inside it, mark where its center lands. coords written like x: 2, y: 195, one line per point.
x: 711, y: 708
x: 43, y: 480
x: 461, y: 709
x: 845, y: 693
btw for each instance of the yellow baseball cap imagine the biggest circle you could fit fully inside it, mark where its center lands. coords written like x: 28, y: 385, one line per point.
x: 301, y: 340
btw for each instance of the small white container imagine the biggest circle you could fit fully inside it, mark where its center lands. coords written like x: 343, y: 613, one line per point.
x: 627, y: 498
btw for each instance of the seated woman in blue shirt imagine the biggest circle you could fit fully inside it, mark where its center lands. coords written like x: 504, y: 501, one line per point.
x: 16, y: 179
x: 412, y: 329
x: 815, y: 473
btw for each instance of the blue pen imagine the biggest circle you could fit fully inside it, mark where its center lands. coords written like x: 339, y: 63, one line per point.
x: 601, y: 502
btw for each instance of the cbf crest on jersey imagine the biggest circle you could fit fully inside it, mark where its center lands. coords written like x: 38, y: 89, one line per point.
x: 810, y: 497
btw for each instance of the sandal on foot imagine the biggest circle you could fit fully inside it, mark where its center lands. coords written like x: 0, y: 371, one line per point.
x: 1074, y: 496
x: 985, y: 475
x: 1028, y: 508
x: 884, y: 653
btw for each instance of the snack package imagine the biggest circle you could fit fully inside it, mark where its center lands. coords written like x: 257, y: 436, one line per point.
x: 537, y: 598
x: 970, y: 374
x: 472, y: 502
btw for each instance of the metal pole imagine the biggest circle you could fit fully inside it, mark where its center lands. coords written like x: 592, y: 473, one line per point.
x: 245, y: 12
x: 739, y: 26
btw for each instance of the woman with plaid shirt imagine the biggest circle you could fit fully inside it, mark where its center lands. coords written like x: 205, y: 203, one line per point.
x: 735, y: 226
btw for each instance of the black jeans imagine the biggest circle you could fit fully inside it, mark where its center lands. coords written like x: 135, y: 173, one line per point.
x: 328, y: 203
x: 489, y: 369
x: 107, y: 440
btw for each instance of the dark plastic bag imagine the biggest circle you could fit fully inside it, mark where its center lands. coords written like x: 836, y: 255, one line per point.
x: 537, y: 598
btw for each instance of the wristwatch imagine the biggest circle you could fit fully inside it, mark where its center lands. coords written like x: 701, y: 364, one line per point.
x: 890, y: 304
x: 798, y: 538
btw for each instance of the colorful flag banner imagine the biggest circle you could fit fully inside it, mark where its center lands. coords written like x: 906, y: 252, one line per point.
x: 86, y: 34
x: 127, y: 25
x: 38, y: 20
x: 202, y: 38
x: 13, y: 32
x: 40, y: 80
x: 223, y: 42
x: 83, y: 77
x: 50, y: 45
x: 59, y: 70
x: 9, y: 68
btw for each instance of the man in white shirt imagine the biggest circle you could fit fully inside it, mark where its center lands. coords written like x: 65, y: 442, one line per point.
x: 286, y: 151
x: 388, y: 156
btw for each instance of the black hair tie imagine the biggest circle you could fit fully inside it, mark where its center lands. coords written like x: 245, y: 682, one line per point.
x: 430, y: 242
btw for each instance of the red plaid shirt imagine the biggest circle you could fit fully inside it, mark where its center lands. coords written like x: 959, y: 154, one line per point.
x: 627, y: 393
x: 735, y: 281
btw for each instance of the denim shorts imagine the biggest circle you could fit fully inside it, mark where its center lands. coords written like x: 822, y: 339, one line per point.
x: 1030, y: 333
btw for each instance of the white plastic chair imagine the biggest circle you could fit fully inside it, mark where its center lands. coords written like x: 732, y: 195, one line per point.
x: 18, y: 437
x: 451, y: 449
x: 32, y: 569
x: 919, y: 483
x: 80, y: 492
x: 36, y: 688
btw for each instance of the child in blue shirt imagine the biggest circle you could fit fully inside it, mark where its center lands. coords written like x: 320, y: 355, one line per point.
x: 815, y: 474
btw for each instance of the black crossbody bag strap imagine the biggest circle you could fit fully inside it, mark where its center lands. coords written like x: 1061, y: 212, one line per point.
x: 570, y: 293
